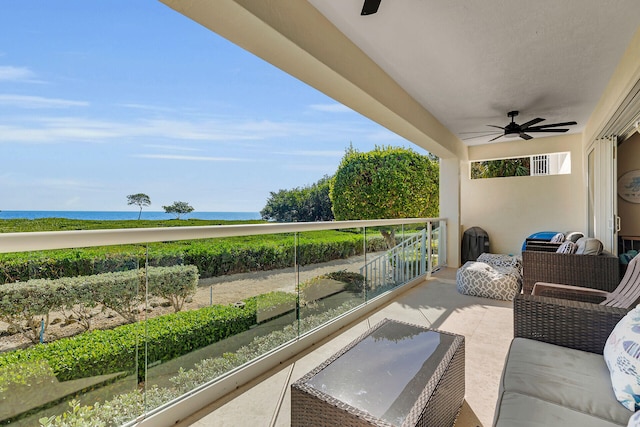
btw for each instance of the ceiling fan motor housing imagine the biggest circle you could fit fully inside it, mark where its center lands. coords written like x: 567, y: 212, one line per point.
x: 512, y: 129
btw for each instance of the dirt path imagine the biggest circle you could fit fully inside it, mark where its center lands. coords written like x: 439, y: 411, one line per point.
x: 229, y: 289
x: 216, y: 290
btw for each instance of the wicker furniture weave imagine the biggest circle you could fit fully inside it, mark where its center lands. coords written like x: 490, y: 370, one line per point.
x: 439, y: 383
x: 589, y: 271
x: 573, y: 324
x: 625, y: 295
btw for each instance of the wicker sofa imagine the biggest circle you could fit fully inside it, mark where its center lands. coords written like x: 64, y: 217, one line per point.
x: 555, y: 373
x: 590, y: 271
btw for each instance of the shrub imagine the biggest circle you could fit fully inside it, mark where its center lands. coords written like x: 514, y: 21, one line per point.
x: 102, y: 352
x: 25, y: 306
x: 24, y: 375
x: 175, y: 284
x: 121, y: 292
x: 128, y: 406
x: 212, y: 257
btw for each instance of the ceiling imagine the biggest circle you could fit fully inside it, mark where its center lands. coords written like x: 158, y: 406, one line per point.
x: 471, y: 62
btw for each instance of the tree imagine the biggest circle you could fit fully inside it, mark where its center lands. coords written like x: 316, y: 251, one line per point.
x: 387, y: 182
x: 501, y: 168
x: 178, y: 209
x: 138, y: 199
x: 301, y: 204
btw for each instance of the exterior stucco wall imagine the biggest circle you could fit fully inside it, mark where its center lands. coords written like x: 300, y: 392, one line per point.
x: 628, y: 160
x: 510, y: 209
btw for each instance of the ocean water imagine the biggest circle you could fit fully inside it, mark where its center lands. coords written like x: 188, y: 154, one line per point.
x: 124, y: 215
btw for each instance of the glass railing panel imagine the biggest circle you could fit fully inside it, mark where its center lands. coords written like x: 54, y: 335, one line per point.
x: 231, y: 300
x: 70, y: 332
x: 330, y: 281
x: 166, y: 317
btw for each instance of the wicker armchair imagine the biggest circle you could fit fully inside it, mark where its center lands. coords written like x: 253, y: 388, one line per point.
x: 574, y: 324
x: 589, y: 271
x: 561, y: 315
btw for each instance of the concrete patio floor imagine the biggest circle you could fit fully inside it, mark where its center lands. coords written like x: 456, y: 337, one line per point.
x: 486, y: 324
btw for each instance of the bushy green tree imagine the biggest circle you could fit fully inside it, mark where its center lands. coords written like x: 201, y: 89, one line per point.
x: 501, y: 168
x: 301, y: 204
x: 388, y: 182
x: 178, y: 209
x: 138, y: 199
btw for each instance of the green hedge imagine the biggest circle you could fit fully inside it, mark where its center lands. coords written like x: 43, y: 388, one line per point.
x: 212, y: 257
x: 122, y: 349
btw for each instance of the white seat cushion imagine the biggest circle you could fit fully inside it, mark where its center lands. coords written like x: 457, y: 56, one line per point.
x: 571, y: 378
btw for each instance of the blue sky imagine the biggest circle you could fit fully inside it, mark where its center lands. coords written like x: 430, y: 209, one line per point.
x: 104, y: 98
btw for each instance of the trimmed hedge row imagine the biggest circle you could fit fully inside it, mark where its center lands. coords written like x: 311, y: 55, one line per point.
x: 24, y: 305
x: 126, y: 407
x: 212, y: 257
x: 122, y: 349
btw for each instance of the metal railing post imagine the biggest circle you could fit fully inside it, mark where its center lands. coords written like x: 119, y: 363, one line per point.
x: 429, y: 254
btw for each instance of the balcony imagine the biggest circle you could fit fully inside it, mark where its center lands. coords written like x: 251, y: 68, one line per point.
x: 487, y: 326
x: 309, y: 298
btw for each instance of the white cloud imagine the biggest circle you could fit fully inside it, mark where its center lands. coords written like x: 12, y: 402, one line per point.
x: 190, y: 158
x: 29, y: 102
x: 25, y: 127
x: 43, y: 129
x: 331, y: 108
x: 16, y: 73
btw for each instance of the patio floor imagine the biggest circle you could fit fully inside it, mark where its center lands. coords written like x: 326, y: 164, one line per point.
x: 486, y: 324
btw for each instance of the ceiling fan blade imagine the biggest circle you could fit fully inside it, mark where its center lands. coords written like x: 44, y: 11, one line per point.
x: 525, y: 136
x: 488, y: 132
x: 499, y: 136
x: 554, y: 125
x: 370, y: 7
x: 494, y: 126
x: 530, y: 123
x: 547, y: 130
x: 481, y: 136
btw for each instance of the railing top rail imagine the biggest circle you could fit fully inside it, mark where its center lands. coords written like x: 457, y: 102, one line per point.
x: 34, y: 241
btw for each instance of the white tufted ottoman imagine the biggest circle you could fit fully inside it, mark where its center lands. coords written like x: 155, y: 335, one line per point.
x: 492, y: 276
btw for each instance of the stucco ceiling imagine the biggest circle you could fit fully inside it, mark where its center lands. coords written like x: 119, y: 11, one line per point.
x: 471, y: 62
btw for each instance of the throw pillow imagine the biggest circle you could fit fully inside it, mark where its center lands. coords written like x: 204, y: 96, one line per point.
x: 634, y: 421
x: 558, y: 238
x: 622, y: 356
x: 573, y: 236
x: 567, y: 247
x: 588, y: 246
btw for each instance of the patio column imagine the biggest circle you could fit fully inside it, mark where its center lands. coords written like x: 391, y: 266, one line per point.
x: 450, y: 206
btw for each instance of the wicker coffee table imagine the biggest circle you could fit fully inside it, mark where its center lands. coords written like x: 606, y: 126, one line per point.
x: 396, y: 374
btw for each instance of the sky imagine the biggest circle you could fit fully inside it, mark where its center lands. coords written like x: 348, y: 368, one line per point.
x: 100, y: 99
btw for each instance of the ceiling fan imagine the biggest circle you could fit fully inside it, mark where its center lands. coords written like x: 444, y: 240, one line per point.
x: 514, y: 130
x: 370, y: 7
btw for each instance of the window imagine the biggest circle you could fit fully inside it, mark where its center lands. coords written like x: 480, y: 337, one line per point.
x: 536, y: 165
